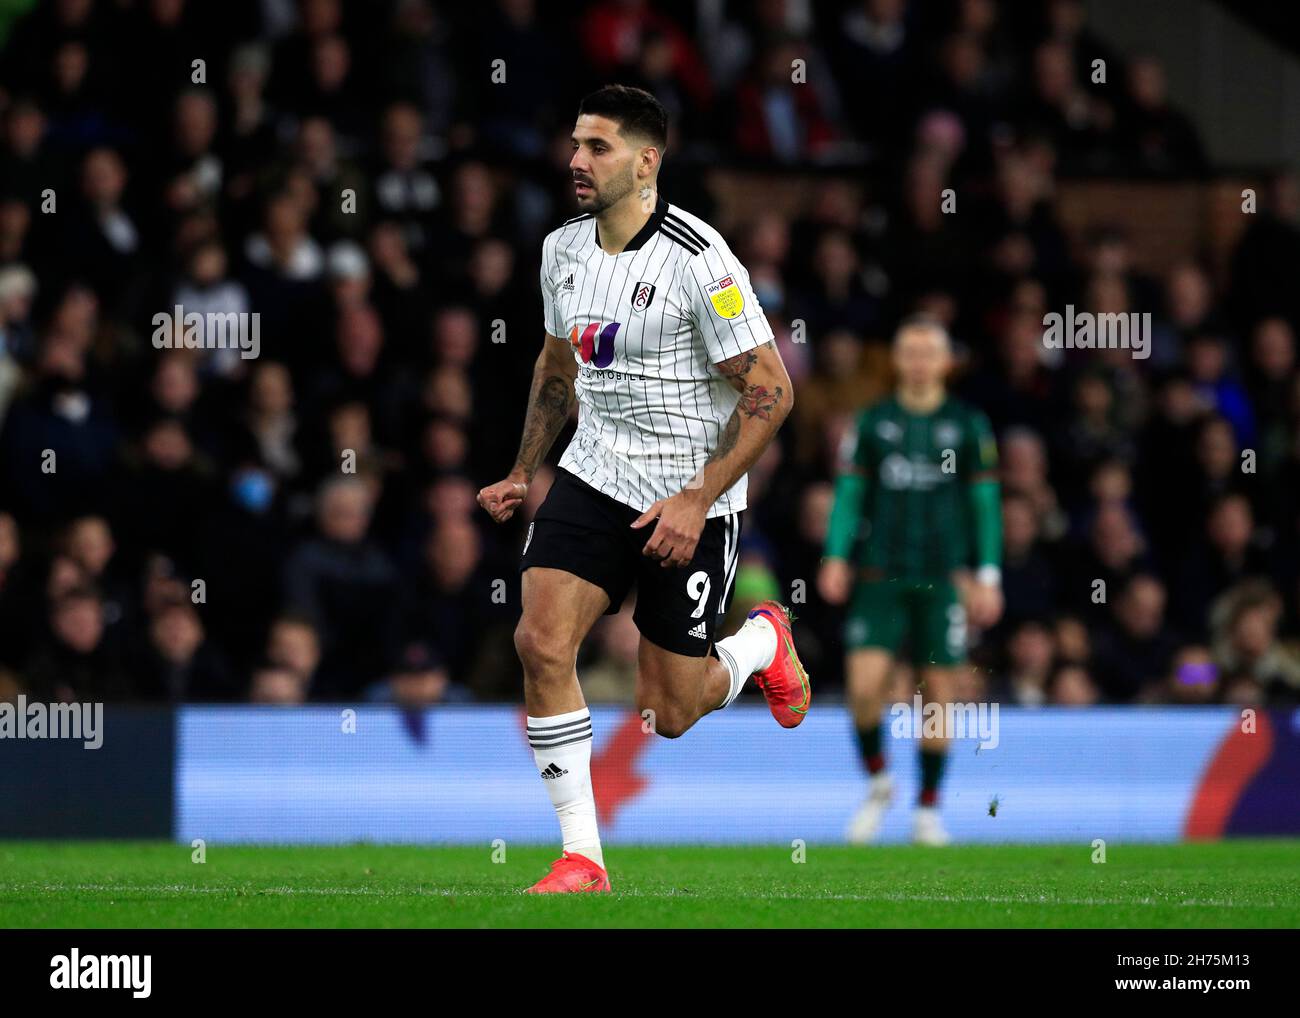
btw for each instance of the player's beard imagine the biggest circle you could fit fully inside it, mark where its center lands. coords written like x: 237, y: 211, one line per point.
x: 610, y: 195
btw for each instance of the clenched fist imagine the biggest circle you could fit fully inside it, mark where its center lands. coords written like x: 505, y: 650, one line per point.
x: 503, y: 498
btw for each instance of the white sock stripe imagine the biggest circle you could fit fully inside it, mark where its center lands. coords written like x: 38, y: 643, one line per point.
x: 552, y: 729
x: 581, y: 714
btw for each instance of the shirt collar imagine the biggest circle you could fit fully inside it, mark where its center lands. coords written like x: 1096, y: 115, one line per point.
x: 650, y: 228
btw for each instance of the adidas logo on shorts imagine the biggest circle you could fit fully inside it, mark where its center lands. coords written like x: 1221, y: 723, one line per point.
x: 699, y: 631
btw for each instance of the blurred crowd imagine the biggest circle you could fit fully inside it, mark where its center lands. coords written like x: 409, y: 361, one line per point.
x: 373, y: 179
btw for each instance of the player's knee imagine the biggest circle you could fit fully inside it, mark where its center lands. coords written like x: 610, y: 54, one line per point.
x: 542, y: 652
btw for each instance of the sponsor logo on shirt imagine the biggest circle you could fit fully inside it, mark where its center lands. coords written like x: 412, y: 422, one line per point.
x: 725, y: 296
x: 900, y: 473
x: 595, y: 345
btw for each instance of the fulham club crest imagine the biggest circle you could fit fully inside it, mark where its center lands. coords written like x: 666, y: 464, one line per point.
x: 642, y: 296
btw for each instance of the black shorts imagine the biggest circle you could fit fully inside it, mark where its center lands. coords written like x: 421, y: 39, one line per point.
x: 585, y: 532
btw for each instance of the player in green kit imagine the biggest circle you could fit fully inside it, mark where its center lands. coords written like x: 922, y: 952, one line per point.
x: 913, y: 546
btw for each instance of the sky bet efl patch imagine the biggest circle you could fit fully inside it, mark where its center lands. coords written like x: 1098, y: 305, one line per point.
x: 726, y: 298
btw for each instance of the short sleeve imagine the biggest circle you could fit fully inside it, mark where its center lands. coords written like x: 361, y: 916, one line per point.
x: 721, y: 300
x: 551, y: 320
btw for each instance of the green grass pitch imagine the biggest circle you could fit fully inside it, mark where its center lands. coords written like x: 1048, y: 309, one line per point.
x: 155, y: 884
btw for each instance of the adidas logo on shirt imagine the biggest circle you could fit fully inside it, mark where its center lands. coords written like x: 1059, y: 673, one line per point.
x: 553, y: 771
x: 699, y: 631
x: 568, y: 283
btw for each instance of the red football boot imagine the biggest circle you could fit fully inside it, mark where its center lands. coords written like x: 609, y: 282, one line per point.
x: 783, y: 682
x: 572, y: 873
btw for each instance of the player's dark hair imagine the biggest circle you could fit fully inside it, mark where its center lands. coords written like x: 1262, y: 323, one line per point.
x: 922, y: 320
x: 636, y: 110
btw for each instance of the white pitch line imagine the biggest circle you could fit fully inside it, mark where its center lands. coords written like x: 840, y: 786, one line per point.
x: 433, y: 892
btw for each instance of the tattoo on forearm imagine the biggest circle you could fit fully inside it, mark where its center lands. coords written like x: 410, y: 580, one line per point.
x: 727, y: 440
x: 756, y: 400
x: 548, y: 409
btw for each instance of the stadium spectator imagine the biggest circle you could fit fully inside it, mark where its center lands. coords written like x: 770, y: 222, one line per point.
x: 1135, y: 648
x: 1028, y: 670
x: 77, y: 661
x: 450, y: 600
x: 294, y: 644
x: 1072, y: 685
x: 418, y: 679
x: 1268, y: 256
x: 1028, y: 578
x: 1226, y: 555
x: 1152, y: 134
x: 1246, y: 645
x: 180, y: 663
x: 347, y: 586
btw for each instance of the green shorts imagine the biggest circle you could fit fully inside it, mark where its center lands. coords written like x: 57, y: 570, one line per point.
x: 927, y: 616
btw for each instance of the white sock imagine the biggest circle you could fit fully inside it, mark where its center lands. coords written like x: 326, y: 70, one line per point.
x: 750, y: 650
x: 562, y: 748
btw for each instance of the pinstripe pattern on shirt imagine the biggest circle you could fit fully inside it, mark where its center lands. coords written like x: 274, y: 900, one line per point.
x: 648, y: 421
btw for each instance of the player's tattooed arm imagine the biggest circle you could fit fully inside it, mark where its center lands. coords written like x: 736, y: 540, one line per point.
x: 727, y: 440
x: 549, y: 402
x: 759, y: 397
x: 766, y: 397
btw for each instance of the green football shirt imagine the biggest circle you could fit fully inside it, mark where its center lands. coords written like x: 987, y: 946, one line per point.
x: 917, y: 517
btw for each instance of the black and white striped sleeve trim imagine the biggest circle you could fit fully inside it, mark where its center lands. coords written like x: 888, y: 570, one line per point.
x: 683, y: 233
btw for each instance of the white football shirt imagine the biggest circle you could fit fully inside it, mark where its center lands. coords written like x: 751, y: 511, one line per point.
x: 647, y: 326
